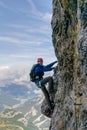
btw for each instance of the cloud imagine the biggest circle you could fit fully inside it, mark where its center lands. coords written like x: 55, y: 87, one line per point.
x: 2, y: 4
x: 14, y: 74
x: 6, y: 6
x: 9, y: 39
x: 18, y: 26
x: 26, y: 34
x: 34, y: 9
x: 47, y: 17
x: 17, y: 40
x: 31, y: 37
x: 26, y: 31
x: 19, y: 56
x: 4, y: 68
x: 45, y: 30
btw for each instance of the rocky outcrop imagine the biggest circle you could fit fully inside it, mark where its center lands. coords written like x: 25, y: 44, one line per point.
x: 45, y: 110
x: 69, y: 35
x: 69, y: 24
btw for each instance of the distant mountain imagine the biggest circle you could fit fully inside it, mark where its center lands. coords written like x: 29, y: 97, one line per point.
x: 17, y: 90
x: 13, y: 94
x: 20, y: 108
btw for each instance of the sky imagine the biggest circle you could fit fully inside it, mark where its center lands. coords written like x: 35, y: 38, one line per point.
x: 25, y: 32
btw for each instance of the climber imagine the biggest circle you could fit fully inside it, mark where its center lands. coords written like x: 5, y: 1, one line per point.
x: 38, y: 79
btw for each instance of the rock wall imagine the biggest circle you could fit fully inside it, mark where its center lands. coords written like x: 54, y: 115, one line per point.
x: 69, y: 35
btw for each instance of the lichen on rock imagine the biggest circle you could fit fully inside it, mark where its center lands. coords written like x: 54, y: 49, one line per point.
x: 69, y: 36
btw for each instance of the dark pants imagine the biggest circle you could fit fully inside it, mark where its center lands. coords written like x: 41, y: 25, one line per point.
x: 46, y: 91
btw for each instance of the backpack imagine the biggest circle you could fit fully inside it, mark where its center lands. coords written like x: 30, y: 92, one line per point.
x: 31, y: 74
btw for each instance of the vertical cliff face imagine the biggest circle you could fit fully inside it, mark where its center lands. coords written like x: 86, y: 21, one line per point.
x: 69, y: 25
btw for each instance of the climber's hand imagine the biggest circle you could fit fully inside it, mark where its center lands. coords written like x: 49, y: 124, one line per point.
x: 53, y: 68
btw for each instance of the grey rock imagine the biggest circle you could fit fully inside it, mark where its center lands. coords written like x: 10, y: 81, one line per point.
x: 69, y: 36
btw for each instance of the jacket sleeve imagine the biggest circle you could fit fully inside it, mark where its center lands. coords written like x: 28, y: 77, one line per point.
x: 49, y: 66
